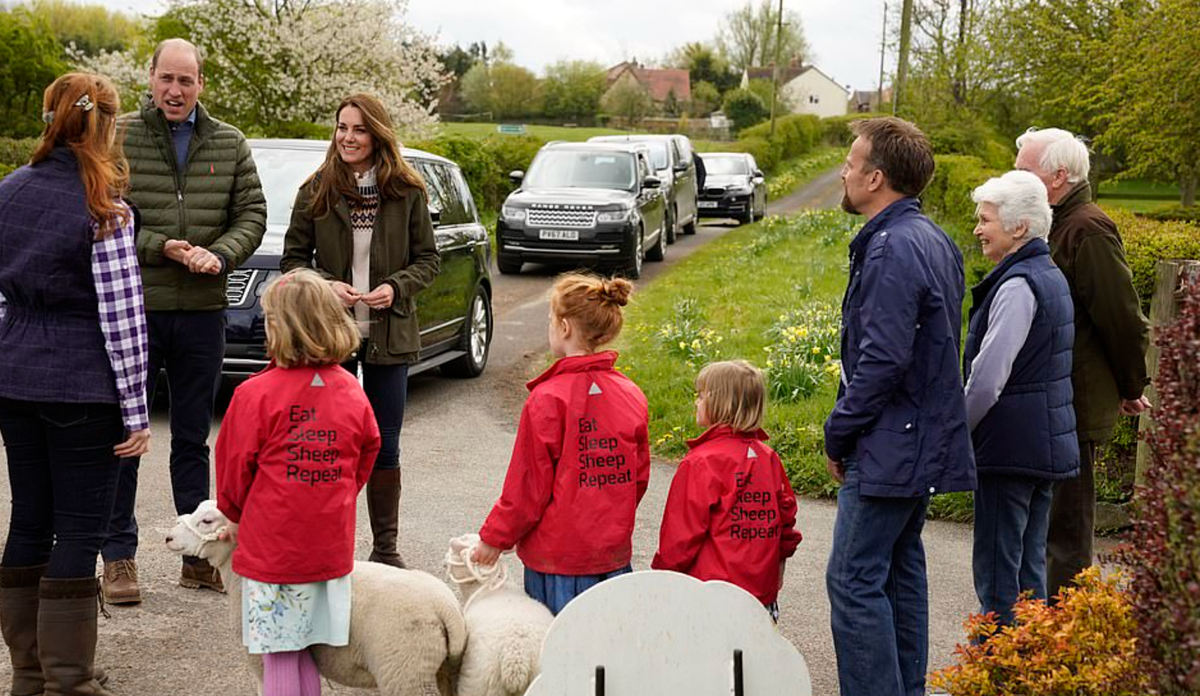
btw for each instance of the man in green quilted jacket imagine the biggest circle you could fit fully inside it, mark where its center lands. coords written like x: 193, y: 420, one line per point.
x: 193, y: 179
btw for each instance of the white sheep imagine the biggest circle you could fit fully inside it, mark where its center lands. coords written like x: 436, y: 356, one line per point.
x: 505, y: 627
x: 407, y: 633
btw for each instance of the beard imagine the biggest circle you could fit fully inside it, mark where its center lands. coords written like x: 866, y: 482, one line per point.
x: 847, y: 205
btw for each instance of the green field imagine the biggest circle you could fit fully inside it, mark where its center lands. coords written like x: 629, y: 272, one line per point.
x: 483, y: 130
x: 1139, y: 195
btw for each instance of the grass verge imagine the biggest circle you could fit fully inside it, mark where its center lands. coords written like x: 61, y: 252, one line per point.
x: 795, y: 172
x: 768, y: 293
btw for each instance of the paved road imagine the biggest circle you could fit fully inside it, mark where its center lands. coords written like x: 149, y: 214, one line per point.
x: 457, y: 439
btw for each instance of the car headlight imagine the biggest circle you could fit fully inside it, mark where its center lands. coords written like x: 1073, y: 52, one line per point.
x: 513, y: 213
x: 614, y: 215
x: 740, y: 190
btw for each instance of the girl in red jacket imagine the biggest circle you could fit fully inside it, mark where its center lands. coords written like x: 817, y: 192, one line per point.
x: 581, y: 462
x: 731, y: 511
x: 296, y: 446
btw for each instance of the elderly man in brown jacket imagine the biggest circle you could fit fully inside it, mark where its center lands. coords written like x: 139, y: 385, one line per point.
x: 1111, y: 335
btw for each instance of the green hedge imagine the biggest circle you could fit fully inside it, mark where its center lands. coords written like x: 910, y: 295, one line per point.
x: 1149, y: 241
x: 485, y: 163
x: 796, y: 135
x: 15, y: 152
x: 835, y: 130
x: 1176, y: 213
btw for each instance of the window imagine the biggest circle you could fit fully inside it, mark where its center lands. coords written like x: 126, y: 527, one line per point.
x: 464, y: 194
x: 814, y: 99
x: 454, y: 209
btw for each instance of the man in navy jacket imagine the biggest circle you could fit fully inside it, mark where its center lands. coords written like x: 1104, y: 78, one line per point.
x: 898, y: 433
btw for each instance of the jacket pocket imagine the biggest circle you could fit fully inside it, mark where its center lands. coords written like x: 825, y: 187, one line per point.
x: 887, y: 454
x: 403, y: 335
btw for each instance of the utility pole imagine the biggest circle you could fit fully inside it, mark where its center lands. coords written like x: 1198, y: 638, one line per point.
x: 775, y: 72
x: 882, y: 51
x: 902, y: 69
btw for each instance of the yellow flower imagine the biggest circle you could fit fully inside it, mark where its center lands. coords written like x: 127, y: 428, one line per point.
x: 682, y: 345
x: 816, y: 350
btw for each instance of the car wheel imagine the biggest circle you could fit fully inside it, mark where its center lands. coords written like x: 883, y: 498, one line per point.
x: 690, y: 228
x: 509, y: 265
x: 476, y: 338
x: 672, y: 219
x: 633, y: 266
x: 659, y: 251
x: 747, y: 217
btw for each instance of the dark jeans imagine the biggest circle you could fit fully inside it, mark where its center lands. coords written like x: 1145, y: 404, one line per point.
x: 1072, y: 523
x: 62, y: 472
x: 1009, y: 555
x: 878, y: 593
x: 190, y: 346
x: 387, y: 390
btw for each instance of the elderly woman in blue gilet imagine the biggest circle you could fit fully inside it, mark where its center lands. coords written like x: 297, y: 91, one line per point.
x: 1017, y: 366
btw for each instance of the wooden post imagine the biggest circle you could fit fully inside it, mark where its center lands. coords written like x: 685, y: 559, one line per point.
x: 1174, y: 277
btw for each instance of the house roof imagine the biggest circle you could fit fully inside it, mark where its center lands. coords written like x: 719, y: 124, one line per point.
x: 658, y: 82
x: 787, y: 74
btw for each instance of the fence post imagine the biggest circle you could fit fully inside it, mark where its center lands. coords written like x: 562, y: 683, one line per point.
x: 1174, y: 278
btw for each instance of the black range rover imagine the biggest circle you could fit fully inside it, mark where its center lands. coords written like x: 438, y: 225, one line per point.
x: 584, y: 204
x: 455, y: 312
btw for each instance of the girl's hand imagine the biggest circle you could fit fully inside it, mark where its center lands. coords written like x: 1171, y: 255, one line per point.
x: 381, y: 297
x: 346, y: 293
x: 485, y: 554
x: 229, y: 533
x: 137, y: 444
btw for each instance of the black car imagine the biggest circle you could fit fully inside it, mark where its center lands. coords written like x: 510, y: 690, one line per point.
x: 455, y: 313
x: 733, y: 188
x: 584, y: 203
x: 671, y: 158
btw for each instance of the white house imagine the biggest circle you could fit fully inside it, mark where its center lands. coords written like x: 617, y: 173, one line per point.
x: 805, y: 89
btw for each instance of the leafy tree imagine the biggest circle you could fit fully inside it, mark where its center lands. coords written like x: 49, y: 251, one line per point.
x: 476, y: 87
x: 671, y: 103
x: 269, y: 64
x: 705, y: 98
x: 704, y: 64
x: 745, y: 108
x: 459, y: 60
x: 29, y: 62
x: 572, y: 89
x: 750, y: 36
x: 629, y: 100
x: 89, y: 27
x: 515, y: 91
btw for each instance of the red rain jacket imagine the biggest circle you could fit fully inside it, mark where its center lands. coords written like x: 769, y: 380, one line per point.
x: 579, y: 468
x: 295, y: 448
x: 731, y: 513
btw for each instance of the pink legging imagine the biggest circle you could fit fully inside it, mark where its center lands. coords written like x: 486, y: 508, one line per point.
x: 290, y: 674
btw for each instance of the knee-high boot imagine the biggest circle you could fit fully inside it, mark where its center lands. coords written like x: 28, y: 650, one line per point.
x: 383, y: 507
x: 66, y: 636
x: 19, y: 622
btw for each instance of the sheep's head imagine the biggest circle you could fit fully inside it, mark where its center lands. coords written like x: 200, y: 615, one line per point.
x: 198, y: 534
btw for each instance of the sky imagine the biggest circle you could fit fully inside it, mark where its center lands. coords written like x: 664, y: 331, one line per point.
x: 844, y: 34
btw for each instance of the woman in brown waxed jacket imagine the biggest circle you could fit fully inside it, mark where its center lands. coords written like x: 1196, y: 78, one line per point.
x: 362, y: 221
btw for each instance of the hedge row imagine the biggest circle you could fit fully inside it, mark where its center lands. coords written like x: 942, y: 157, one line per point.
x: 795, y: 136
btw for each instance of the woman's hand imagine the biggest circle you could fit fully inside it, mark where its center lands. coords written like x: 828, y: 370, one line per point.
x: 137, y: 444
x: 346, y: 293
x: 381, y: 297
x: 228, y: 533
x: 485, y: 554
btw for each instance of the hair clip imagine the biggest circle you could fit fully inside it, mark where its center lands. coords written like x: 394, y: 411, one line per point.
x: 85, y: 102
x: 48, y: 117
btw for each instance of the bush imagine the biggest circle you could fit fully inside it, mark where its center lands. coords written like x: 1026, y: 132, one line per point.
x: 15, y: 152
x: 744, y: 108
x: 303, y: 130
x: 1162, y: 548
x: 948, y: 200
x: 485, y: 163
x: 1084, y: 645
x: 1175, y: 213
x: 835, y: 130
x: 760, y: 149
x: 1149, y: 241
x: 795, y: 135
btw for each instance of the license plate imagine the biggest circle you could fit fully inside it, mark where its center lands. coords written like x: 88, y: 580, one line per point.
x: 707, y: 204
x: 568, y: 235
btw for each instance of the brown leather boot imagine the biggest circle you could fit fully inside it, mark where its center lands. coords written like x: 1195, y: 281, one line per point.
x: 120, y: 583
x: 18, y: 620
x: 66, y: 636
x: 383, y: 507
x: 200, y: 574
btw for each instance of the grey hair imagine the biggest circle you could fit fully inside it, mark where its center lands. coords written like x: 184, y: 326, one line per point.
x: 1019, y: 197
x: 1060, y: 150
x: 180, y: 43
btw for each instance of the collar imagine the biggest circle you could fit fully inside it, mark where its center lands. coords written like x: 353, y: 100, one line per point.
x: 191, y: 119
x: 901, y: 208
x: 604, y: 360
x: 720, y: 432
x: 1080, y: 195
x: 1032, y: 248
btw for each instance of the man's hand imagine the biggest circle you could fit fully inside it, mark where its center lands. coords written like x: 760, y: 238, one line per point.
x: 381, y: 297
x: 177, y: 250
x: 137, y: 444
x: 485, y: 554
x: 201, y: 260
x: 346, y: 293
x: 836, y: 469
x: 1132, y: 407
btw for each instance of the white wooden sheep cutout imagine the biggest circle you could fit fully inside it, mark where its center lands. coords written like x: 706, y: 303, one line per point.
x: 665, y: 633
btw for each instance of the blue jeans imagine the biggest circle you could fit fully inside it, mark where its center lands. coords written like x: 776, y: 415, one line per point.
x: 387, y: 390
x: 63, y: 474
x: 1012, y: 514
x: 878, y: 593
x: 190, y: 347
x: 555, y: 591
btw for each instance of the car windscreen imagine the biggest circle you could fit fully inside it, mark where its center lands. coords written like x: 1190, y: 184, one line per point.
x: 282, y: 171
x: 581, y: 169
x: 725, y: 165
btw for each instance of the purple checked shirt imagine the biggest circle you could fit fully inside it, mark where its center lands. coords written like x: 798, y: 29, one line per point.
x: 122, y: 312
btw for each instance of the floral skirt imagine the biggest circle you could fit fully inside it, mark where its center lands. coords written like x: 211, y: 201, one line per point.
x: 283, y: 618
